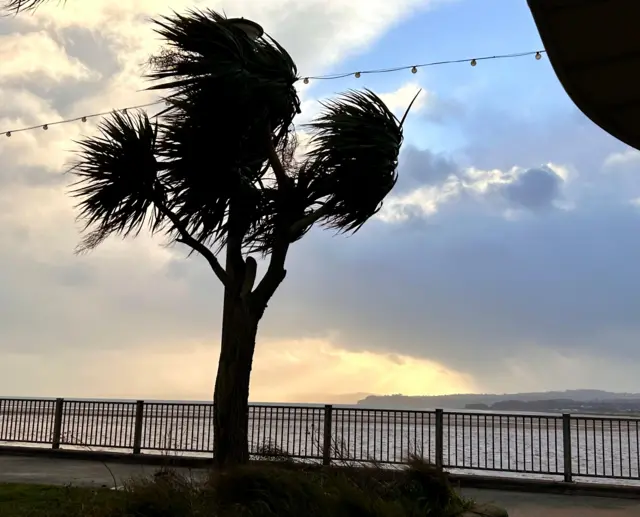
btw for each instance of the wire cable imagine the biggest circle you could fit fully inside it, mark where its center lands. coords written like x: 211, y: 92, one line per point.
x: 414, y: 69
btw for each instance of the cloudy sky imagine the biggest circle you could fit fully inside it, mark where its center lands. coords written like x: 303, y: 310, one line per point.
x: 505, y: 260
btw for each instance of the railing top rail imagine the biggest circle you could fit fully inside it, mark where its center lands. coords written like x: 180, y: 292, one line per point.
x: 24, y: 399
x: 279, y: 406
x: 505, y: 414
x: 176, y: 403
x: 99, y: 401
x: 605, y: 418
x: 343, y: 409
x: 385, y: 410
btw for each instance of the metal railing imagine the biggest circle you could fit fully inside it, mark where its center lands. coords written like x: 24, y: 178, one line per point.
x: 566, y: 446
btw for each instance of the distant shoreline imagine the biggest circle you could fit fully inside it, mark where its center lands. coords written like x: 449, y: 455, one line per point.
x: 580, y: 402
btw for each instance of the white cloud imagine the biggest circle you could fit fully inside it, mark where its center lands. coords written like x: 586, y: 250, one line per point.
x: 627, y: 158
x: 423, y: 201
x: 317, y: 32
x: 399, y: 101
x: 492, y: 187
x: 36, y: 148
x: 563, y: 171
x: 35, y: 55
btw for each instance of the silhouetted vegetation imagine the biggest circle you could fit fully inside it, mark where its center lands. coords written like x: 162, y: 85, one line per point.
x: 272, y: 489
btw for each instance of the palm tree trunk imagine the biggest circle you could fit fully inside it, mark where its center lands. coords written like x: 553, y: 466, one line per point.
x: 242, y: 312
x: 231, y: 397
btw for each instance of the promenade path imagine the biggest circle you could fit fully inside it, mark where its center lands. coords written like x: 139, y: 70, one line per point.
x: 17, y: 469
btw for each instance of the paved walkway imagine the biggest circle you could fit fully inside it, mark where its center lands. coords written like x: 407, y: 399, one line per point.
x: 548, y: 505
x: 15, y: 469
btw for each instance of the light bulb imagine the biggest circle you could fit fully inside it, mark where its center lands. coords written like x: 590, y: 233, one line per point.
x: 358, y: 74
x: 414, y: 70
x: 538, y: 55
x: 45, y: 127
x: 306, y: 80
x: 84, y: 119
x: 474, y: 62
x: 8, y: 133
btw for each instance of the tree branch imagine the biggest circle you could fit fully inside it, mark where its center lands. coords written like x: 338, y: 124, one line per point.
x: 308, y: 220
x: 251, y: 268
x: 274, y: 276
x: 276, y: 272
x: 235, y: 264
x: 193, y: 243
x: 276, y: 164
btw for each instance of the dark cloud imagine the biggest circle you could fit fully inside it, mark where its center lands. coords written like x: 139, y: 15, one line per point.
x: 499, y: 289
x: 534, y: 189
x: 480, y: 293
x: 92, y: 49
x: 422, y: 167
x: 14, y: 24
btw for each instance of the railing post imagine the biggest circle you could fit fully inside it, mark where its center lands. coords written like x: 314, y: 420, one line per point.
x: 57, y: 424
x: 326, y: 440
x: 439, y: 438
x: 137, y: 430
x: 566, y: 446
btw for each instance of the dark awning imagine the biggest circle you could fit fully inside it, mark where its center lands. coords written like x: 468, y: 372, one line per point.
x: 594, y: 48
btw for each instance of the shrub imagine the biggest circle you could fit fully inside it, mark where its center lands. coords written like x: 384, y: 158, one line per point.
x: 277, y: 488
x: 167, y: 494
x: 283, y: 489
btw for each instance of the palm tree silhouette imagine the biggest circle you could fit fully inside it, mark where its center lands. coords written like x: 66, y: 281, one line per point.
x: 217, y: 171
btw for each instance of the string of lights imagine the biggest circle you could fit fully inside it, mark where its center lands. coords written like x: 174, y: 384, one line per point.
x: 414, y: 68
x: 306, y: 80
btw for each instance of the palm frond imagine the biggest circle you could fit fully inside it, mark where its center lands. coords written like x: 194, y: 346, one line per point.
x: 228, y: 96
x: 23, y: 5
x: 207, y: 163
x: 207, y: 53
x: 117, y: 174
x: 231, y: 100
x: 353, y: 159
x: 279, y: 211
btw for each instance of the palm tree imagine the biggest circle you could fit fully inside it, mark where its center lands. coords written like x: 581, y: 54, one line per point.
x: 217, y: 172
